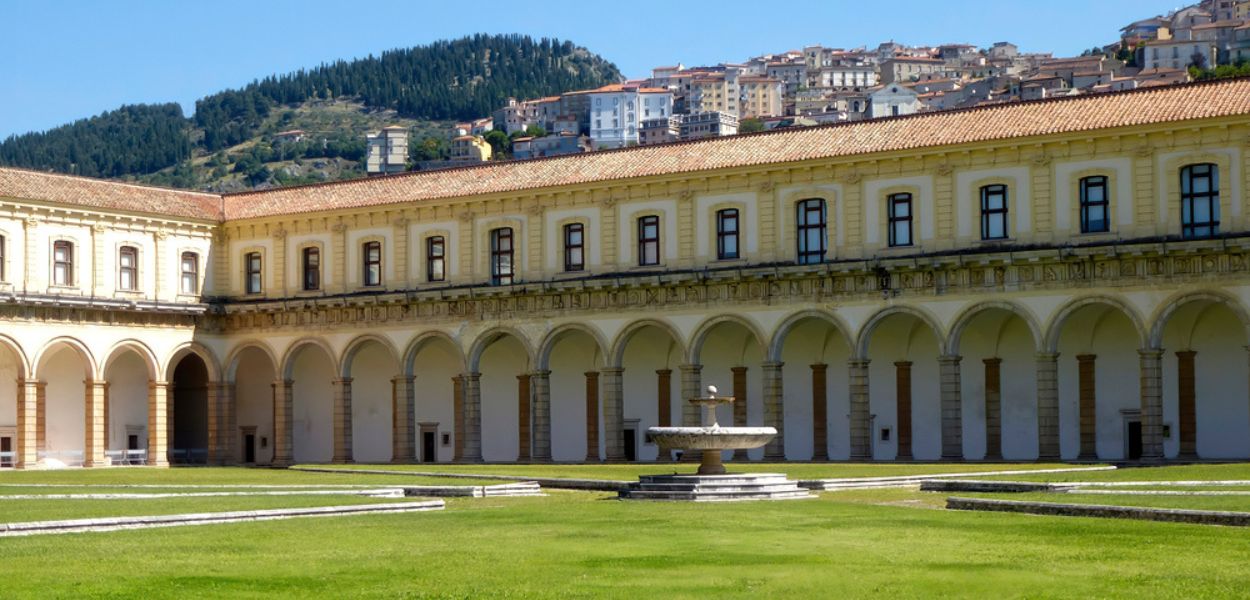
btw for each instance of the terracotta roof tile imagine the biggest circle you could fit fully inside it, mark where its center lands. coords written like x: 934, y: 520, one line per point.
x: 107, y: 195
x: 1014, y: 120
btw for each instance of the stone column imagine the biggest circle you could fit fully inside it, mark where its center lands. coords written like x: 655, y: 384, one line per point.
x: 1048, y: 406
x: 160, y: 416
x: 1087, y: 397
x: 664, y: 395
x: 403, y: 421
x: 342, y: 417
x: 107, y: 431
x: 1151, y: 360
x: 773, y: 410
x: 740, y: 404
x: 524, y: 424
x: 457, y: 409
x: 993, y: 408
x: 541, y: 381
x: 952, y: 411
x: 613, y: 414
x: 283, y: 423
x: 592, y: 416
x: 29, y: 397
x: 861, y: 419
x: 94, y: 444
x: 472, y: 409
x: 1187, y: 405
x: 902, y: 399
x: 691, y: 387
x: 221, y: 426
x: 41, y: 417
x: 820, y: 411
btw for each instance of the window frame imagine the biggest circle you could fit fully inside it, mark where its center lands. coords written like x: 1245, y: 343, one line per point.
x: 131, y: 271
x: 725, y: 216
x: 803, y: 228
x: 892, y: 219
x: 65, y: 266
x: 194, y: 288
x: 371, y: 263
x: 1083, y: 188
x: 1190, y: 229
x: 310, y: 268
x: 574, y: 252
x: 648, y: 241
x: 988, y: 192
x: 431, y: 259
x: 253, y: 272
x: 502, y: 272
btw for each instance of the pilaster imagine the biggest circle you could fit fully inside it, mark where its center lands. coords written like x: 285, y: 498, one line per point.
x: 472, y: 409
x: 541, y: 381
x: 29, y: 396
x: 1048, y: 406
x: 403, y: 420
x: 524, y: 421
x: 820, y: 412
x: 592, y: 416
x: 861, y: 420
x: 740, y: 404
x: 342, y: 420
x: 1151, y: 369
x: 283, y: 423
x: 160, y: 416
x: 952, y: 411
x: 613, y: 414
x: 1187, y: 404
x: 1087, y: 397
x: 95, y: 442
x: 993, y: 408
x: 774, y: 415
x: 902, y: 391
x: 457, y: 409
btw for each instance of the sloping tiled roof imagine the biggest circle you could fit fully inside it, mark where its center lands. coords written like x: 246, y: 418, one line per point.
x: 107, y: 195
x: 998, y: 122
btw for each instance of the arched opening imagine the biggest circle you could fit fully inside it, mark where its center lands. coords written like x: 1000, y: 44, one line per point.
x: 814, y: 383
x: 731, y: 354
x: 998, y: 386
x: 903, y: 379
x: 1099, y: 384
x: 12, y: 371
x: 126, y: 412
x: 189, y: 444
x: 436, y: 364
x: 372, y: 367
x: 1205, y: 382
x: 65, y: 369
x: 254, y: 374
x: 311, y: 371
x: 651, y: 384
x: 504, y: 365
x: 572, y: 355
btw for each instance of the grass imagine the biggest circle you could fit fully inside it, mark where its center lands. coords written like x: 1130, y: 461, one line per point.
x: 1226, y: 503
x: 1201, y: 472
x: 885, y: 543
x: 121, y: 476
x: 631, y: 471
x: 19, y: 511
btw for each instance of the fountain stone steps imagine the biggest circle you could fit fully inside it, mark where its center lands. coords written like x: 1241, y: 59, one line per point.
x: 715, y: 488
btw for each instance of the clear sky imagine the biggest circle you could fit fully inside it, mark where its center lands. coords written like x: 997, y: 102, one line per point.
x: 64, y: 60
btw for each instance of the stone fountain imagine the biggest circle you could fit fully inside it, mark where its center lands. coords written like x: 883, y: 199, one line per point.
x: 712, y: 482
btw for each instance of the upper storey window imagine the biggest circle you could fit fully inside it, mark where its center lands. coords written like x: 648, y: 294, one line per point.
x: 574, y: 247
x: 811, y: 228
x: 435, y: 258
x: 128, y: 269
x: 311, y: 259
x: 994, y: 212
x: 1200, y: 201
x: 727, y: 234
x: 371, y: 253
x: 252, y: 270
x: 190, y: 283
x: 900, y: 219
x: 1094, y: 205
x: 648, y: 241
x: 501, y: 256
x: 63, y: 263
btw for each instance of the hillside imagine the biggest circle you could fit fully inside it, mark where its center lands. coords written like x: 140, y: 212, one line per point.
x: 229, y: 143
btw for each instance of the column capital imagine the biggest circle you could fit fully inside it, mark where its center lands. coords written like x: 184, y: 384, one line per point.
x: 283, y: 382
x: 1047, y: 356
x: 992, y: 361
x: 474, y: 376
x: 857, y: 363
x: 341, y: 381
x: 1185, y: 353
x: 690, y: 367
x: 819, y: 366
x: 157, y: 384
x: 772, y: 365
x: 903, y: 363
x: 523, y: 377
x: 670, y: 371
x: 612, y: 370
x: 404, y: 378
x: 544, y: 373
x: 950, y: 358
x: 738, y: 369
x: 591, y: 374
x: 1086, y: 357
x: 1150, y: 352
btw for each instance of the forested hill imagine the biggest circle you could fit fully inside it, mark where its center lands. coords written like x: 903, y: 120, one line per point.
x: 447, y: 80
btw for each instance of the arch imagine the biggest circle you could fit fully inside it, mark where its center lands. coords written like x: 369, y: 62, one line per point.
x: 778, y: 340
x: 622, y: 338
x: 968, y: 314
x: 232, y: 360
x: 1165, y: 311
x: 701, y: 332
x: 23, y: 363
x: 418, y: 343
x: 79, y: 347
x: 354, y: 346
x: 865, y: 332
x: 188, y: 348
x: 492, y: 335
x: 555, y: 335
x: 149, y: 358
x: 1055, y: 328
x: 288, y: 359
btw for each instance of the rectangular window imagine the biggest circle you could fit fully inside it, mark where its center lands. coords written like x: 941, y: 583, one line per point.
x: 127, y: 269
x: 994, y: 212
x: 1200, y: 201
x: 435, y: 258
x: 371, y: 253
x: 312, y: 269
x: 190, y: 281
x: 648, y: 241
x: 574, y: 247
x: 727, y: 234
x: 252, y: 273
x: 63, y: 263
x: 810, y: 227
x: 501, y: 254
x: 900, y: 219
x: 1094, y: 205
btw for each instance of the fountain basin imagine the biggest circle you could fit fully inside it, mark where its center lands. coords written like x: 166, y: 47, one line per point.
x: 711, y: 438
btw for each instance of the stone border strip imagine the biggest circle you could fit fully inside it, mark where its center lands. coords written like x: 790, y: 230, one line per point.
x: 558, y: 483
x: 1173, y: 515
x: 976, y: 485
x: 525, y: 488
x: 118, y: 523
x: 906, y: 480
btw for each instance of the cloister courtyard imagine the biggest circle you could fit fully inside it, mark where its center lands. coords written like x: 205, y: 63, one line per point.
x: 895, y: 541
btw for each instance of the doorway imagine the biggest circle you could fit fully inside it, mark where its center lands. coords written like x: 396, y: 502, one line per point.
x: 1133, y: 439
x: 428, y: 446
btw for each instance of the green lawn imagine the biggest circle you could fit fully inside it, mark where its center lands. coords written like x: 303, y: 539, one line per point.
x: 1228, y: 503
x: 120, y: 476
x: 20, y: 511
x: 631, y: 471
x: 1234, y: 471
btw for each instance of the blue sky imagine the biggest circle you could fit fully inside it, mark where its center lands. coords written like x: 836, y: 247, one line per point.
x: 64, y: 60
